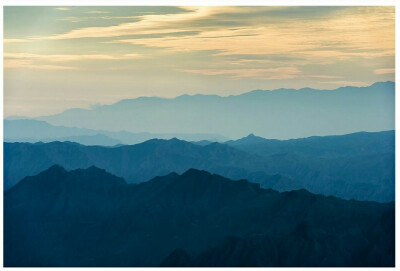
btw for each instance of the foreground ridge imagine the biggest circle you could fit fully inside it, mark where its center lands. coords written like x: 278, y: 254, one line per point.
x: 88, y: 217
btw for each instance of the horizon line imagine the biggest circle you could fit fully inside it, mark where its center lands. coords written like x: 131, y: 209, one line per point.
x: 94, y: 106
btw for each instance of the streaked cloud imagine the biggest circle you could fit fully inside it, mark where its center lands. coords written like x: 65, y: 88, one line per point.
x: 63, y: 9
x: 148, y: 24
x: 340, y: 35
x: 384, y: 71
x: 29, y: 64
x: 272, y: 73
x: 67, y: 58
x: 331, y: 38
x: 37, y: 61
x: 75, y: 19
x: 15, y: 40
x: 96, y: 12
x: 277, y: 73
x: 321, y: 76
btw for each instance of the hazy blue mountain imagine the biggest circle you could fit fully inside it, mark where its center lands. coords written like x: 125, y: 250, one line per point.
x: 37, y: 130
x: 89, y: 140
x: 95, y: 140
x: 29, y: 130
x: 359, y: 166
x: 92, y: 218
x: 282, y: 113
x: 251, y: 139
x: 135, y: 138
x: 136, y: 163
x: 324, y: 146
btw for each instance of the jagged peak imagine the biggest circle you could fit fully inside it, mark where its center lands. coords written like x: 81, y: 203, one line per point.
x: 251, y: 138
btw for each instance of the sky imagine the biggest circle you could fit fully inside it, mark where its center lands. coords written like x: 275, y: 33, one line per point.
x: 57, y: 58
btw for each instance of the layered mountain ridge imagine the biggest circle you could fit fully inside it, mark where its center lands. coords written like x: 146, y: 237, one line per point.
x: 32, y: 131
x: 359, y: 166
x: 282, y: 114
x: 92, y: 218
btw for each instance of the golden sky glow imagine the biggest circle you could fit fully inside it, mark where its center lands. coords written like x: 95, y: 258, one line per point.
x: 78, y: 56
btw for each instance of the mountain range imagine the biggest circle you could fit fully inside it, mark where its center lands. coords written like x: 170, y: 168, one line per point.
x: 180, y: 182
x: 359, y: 165
x: 135, y: 163
x: 90, y: 218
x: 30, y: 130
x: 281, y: 114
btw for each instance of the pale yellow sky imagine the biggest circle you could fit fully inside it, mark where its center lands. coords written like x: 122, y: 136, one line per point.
x: 56, y: 58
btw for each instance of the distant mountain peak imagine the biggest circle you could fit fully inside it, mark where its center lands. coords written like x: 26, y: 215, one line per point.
x: 250, y: 139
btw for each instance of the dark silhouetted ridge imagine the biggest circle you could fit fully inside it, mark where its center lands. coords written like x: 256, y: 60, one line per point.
x: 88, y: 217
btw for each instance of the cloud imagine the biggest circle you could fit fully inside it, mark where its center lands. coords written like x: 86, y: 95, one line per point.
x: 277, y: 73
x: 271, y: 73
x: 75, y: 19
x: 301, y: 40
x: 29, y: 64
x: 45, y: 62
x: 324, y: 76
x: 310, y: 43
x: 148, y: 24
x: 225, y: 34
x: 361, y: 33
x: 384, y: 71
x: 96, y: 12
x: 347, y: 33
x: 64, y: 9
x: 15, y: 40
x: 68, y: 58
